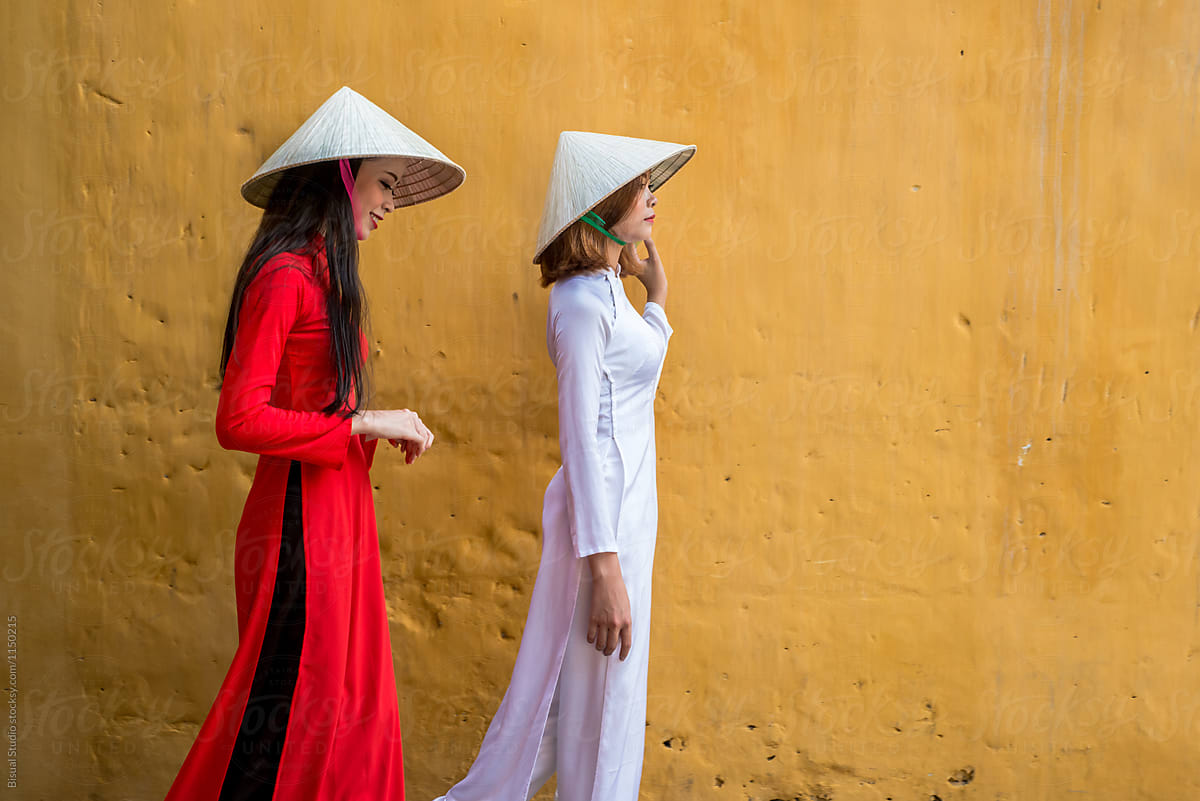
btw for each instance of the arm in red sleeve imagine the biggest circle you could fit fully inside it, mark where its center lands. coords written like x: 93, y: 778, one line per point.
x: 246, y: 420
x: 368, y: 447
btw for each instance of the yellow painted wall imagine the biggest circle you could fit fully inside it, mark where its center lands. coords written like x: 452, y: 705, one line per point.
x: 929, y: 523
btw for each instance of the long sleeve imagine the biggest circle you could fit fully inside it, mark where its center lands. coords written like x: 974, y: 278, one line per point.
x: 246, y: 420
x: 656, y: 316
x: 579, y: 333
x: 368, y: 447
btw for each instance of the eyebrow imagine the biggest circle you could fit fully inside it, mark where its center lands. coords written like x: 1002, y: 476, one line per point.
x: 394, y: 176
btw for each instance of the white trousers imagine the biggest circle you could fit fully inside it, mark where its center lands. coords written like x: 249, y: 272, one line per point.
x: 572, y: 753
x: 546, y: 762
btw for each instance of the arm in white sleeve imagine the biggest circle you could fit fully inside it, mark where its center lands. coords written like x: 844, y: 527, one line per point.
x: 580, y: 327
x: 657, y: 317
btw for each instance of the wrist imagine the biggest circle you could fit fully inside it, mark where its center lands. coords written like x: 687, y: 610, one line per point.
x: 604, y: 565
x: 362, y: 422
x: 656, y: 283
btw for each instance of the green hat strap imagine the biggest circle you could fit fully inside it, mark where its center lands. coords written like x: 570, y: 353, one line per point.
x: 593, y: 219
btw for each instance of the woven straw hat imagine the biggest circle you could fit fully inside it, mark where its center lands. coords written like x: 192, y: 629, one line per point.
x: 349, y: 126
x: 588, y: 167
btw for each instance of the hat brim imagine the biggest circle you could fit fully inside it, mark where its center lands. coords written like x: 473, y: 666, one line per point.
x: 423, y: 179
x: 660, y: 173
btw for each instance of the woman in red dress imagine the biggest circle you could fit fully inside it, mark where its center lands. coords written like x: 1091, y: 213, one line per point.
x: 308, y: 709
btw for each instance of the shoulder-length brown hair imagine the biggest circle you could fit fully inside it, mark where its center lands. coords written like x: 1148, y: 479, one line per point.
x: 580, y: 248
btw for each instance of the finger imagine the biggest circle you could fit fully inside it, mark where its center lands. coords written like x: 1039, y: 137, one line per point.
x: 610, y: 644
x: 651, y: 251
x: 626, y: 641
x: 592, y: 629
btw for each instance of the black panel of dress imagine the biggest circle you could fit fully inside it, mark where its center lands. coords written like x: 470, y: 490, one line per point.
x: 254, y: 764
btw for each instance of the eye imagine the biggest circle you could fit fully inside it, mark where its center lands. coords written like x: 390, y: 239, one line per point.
x: 384, y: 184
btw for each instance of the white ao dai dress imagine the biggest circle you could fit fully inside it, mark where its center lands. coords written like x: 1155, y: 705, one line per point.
x: 569, y: 709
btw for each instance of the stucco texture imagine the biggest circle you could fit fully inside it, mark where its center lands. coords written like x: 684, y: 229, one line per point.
x: 927, y: 471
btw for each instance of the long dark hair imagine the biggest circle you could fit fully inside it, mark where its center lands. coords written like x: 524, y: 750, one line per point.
x: 309, y: 200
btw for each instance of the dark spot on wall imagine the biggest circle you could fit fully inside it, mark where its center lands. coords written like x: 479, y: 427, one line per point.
x: 962, y: 776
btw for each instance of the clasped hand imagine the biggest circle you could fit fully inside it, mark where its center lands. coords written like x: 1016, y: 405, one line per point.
x: 401, y: 427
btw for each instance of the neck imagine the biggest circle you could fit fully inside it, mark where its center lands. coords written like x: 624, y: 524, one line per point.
x: 612, y: 256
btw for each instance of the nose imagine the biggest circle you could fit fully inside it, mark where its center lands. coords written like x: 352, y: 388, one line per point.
x: 389, y: 202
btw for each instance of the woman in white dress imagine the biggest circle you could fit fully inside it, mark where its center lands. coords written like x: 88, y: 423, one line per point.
x: 576, y: 705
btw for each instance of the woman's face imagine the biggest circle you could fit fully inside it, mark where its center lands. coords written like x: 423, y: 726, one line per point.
x: 373, y: 192
x: 638, y: 223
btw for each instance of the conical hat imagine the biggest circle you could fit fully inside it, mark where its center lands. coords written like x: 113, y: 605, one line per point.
x: 588, y: 167
x: 349, y: 126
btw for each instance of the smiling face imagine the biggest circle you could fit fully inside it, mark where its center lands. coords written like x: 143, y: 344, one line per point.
x: 373, y: 188
x: 638, y: 223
